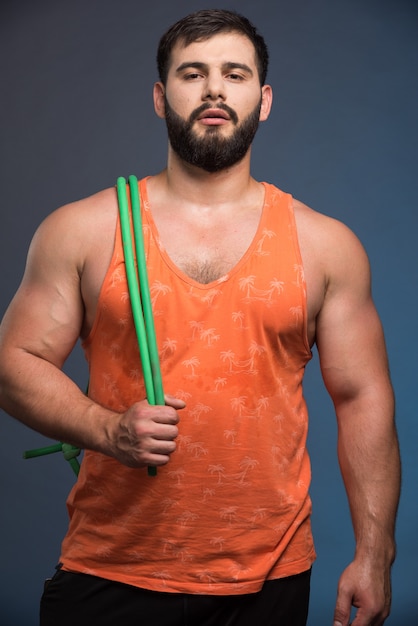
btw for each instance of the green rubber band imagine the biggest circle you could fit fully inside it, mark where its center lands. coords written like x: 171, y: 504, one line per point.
x: 140, y: 297
x: 145, y: 292
x: 134, y: 291
x: 70, y: 453
x: 32, y: 454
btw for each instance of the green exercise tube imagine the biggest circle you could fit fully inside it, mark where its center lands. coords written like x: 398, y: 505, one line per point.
x: 137, y: 277
x: 145, y: 292
x: 70, y: 454
x: 32, y: 454
x: 134, y: 290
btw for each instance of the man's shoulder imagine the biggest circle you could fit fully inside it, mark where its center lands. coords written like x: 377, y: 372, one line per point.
x: 101, y: 202
x: 84, y: 214
x: 328, y: 242
x: 74, y: 229
x: 320, y: 224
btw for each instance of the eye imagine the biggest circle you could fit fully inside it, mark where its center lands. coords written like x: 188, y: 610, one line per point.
x: 192, y: 76
x: 235, y: 77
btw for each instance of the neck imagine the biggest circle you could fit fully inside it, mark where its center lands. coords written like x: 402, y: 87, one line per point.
x: 192, y: 184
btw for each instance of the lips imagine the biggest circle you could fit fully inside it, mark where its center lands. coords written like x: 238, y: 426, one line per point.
x: 214, y: 114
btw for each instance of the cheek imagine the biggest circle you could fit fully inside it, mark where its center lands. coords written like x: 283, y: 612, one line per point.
x: 182, y: 105
x: 183, y: 100
x: 243, y: 103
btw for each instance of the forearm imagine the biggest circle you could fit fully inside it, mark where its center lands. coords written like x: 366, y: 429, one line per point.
x: 370, y: 465
x: 41, y: 396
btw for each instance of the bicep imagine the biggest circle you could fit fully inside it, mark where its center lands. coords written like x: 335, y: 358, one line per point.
x: 350, y: 338
x: 45, y: 316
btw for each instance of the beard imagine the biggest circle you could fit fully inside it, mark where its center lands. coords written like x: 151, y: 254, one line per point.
x: 211, y: 152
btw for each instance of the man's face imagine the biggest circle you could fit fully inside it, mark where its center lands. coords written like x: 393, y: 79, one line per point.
x: 213, y: 101
x: 212, y: 151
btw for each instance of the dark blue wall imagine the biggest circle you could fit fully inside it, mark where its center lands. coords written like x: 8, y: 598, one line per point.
x: 76, y: 112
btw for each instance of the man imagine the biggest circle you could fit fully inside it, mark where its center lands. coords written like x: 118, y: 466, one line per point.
x: 244, y: 280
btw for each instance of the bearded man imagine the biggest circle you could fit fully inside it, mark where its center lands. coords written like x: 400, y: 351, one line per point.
x: 245, y: 279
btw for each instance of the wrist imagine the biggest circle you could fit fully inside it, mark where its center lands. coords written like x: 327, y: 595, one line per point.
x: 380, y: 553
x: 101, y: 434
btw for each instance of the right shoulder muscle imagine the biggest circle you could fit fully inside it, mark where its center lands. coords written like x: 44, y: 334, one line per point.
x: 46, y: 315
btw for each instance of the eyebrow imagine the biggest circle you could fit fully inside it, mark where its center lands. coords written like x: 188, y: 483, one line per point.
x: 204, y: 66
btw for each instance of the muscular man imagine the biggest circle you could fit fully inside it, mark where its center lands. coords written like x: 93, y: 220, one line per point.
x: 244, y: 280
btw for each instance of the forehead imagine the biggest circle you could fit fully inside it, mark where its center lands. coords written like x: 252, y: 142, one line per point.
x: 222, y: 48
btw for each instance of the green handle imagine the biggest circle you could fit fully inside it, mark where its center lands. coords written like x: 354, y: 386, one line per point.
x: 70, y: 453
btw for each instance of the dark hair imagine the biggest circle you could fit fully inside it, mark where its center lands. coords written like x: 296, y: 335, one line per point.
x: 204, y: 25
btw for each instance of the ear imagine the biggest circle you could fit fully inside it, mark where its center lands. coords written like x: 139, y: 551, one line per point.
x: 266, y: 102
x: 158, y: 95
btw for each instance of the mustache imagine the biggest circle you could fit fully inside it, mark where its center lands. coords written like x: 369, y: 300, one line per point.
x: 224, y: 107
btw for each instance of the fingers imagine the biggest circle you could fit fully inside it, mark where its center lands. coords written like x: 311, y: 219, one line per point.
x: 364, y: 588
x: 145, y: 434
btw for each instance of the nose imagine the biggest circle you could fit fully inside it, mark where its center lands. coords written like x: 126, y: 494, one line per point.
x: 214, y: 87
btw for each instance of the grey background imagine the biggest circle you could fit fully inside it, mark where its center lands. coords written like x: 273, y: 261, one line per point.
x: 76, y: 112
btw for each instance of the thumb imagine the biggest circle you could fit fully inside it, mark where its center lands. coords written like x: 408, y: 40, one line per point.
x: 176, y: 403
x: 342, y: 610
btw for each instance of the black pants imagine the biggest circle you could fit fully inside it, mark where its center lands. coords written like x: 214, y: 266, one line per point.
x: 83, y: 600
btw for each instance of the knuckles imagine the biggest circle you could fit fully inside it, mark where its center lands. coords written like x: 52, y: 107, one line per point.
x: 146, y: 435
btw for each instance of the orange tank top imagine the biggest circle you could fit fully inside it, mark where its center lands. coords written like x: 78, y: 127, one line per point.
x: 231, y: 509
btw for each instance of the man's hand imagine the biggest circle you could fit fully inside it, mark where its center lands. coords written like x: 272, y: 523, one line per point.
x: 366, y: 587
x: 145, y: 434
